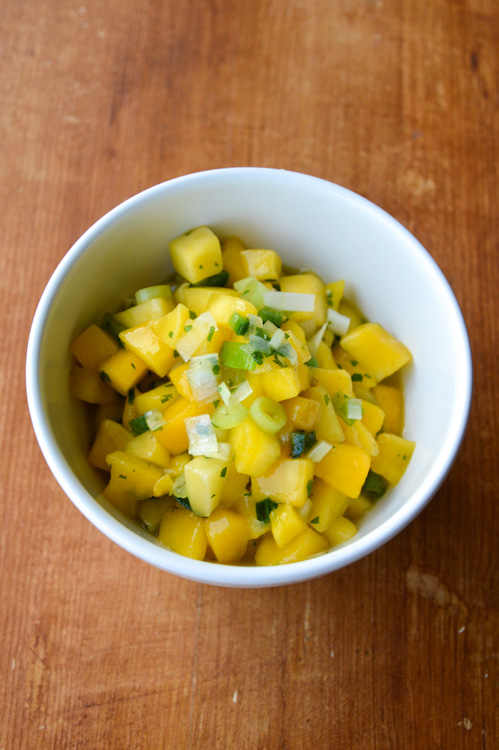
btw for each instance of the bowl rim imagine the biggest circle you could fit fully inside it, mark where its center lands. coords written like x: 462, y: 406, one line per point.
x: 241, y: 575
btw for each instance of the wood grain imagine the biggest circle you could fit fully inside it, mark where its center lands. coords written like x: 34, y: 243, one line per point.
x: 395, y: 99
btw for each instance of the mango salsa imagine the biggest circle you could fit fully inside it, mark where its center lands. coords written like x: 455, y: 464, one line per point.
x: 243, y: 414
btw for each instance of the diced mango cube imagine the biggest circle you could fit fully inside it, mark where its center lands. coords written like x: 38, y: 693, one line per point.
x: 123, y: 371
x: 151, y: 512
x: 227, y: 534
x: 148, y: 447
x: 341, y: 530
x: 183, y: 532
x: 288, y: 481
x: 303, y: 546
x: 152, y: 309
x: 327, y: 505
x: 332, y: 380
x: 262, y: 264
x: 254, y: 450
x: 307, y: 283
x: 93, y: 346
x: 391, y: 400
x: 358, y: 507
x: 372, y: 417
x: 324, y: 357
x: 328, y: 427
x: 173, y: 434
x: 232, y: 259
x: 393, y: 458
x: 157, y: 398
x: 358, y: 434
x: 137, y: 476
x: 380, y: 352
x: 178, y: 376
x: 304, y: 413
x: 286, y: 524
x: 87, y: 385
x: 281, y: 383
x: 196, y: 254
x: 345, y: 468
x: 152, y: 350
x: 223, y: 306
x: 334, y: 294
x: 163, y: 486
x: 171, y: 327
x: 205, y: 479
x: 110, y: 437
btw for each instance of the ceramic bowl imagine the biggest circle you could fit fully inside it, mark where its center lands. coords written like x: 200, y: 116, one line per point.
x: 312, y: 224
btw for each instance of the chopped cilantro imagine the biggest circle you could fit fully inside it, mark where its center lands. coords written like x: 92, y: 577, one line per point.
x: 187, y: 329
x: 166, y: 398
x: 131, y: 395
x: 309, y: 487
x: 327, y: 399
x: 264, y: 508
x: 104, y: 376
x: 315, y: 520
x: 176, y: 354
x: 192, y: 315
x: 122, y: 476
x: 357, y: 377
x: 354, y: 362
x: 133, y: 365
x: 223, y: 472
x: 215, y: 369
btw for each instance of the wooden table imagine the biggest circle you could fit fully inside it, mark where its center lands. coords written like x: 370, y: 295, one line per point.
x: 395, y: 99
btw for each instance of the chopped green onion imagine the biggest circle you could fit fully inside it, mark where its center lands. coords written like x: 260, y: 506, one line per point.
x: 192, y: 340
x: 218, y: 279
x: 290, y: 301
x: 154, y: 419
x: 264, y: 508
x: 274, y: 316
x: 179, y: 491
x: 113, y: 327
x: 150, y: 292
x: 225, y: 393
x: 312, y: 362
x: 338, y: 323
x: 319, y: 450
x: 202, y: 378
x: 232, y: 354
x: 316, y: 340
x: 238, y: 323
x: 255, y: 322
x: 257, y: 344
x: 301, y: 441
x: 252, y: 290
x: 269, y: 328
x: 374, y: 486
x: 201, y: 436
x: 242, y: 391
x: 139, y: 425
x: 226, y: 417
x: 278, y: 338
x: 349, y: 409
x: 269, y: 415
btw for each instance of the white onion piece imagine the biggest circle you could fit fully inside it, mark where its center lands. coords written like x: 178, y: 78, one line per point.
x: 338, y: 323
x: 354, y: 408
x: 202, y: 379
x: 201, y: 434
x: 290, y: 301
x: 314, y: 343
x: 154, y: 419
x: 319, y: 450
x: 277, y: 339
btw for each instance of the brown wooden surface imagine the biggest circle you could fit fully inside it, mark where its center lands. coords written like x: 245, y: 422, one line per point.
x: 395, y: 99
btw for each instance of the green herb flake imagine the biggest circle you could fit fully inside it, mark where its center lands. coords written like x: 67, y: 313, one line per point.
x: 217, y: 265
x: 309, y: 487
x: 215, y: 403
x: 122, y: 476
x: 315, y: 520
x: 176, y: 354
x: 187, y: 329
x: 192, y: 315
x: 104, y: 376
x: 327, y: 399
x: 215, y: 369
x: 200, y: 266
x: 264, y: 508
x: 131, y: 395
x: 210, y: 334
x: 354, y: 362
x: 133, y: 365
x: 223, y: 472
x: 357, y: 377
x: 166, y: 398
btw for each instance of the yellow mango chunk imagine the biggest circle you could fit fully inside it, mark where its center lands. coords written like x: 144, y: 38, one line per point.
x: 205, y: 479
x: 173, y: 434
x: 281, y: 383
x: 152, y: 350
x: 154, y: 308
x: 341, y: 530
x: 256, y: 384
x: 232, y: 259
x: 129, y: 410
x: 327, y: 505
x: 303, y: 546
x: 372, y: 417
x: 262, y: 264
x: 345, y: 468
x: 227, y: 534
x: 123, y: 371
x: 393, y: 458
x: 334, y: 294
x: 286, y: 482
x: 136, y: 475
x: 87, y: 385
x: 254, y: 450
x: 171, y: 327
x: 286, y: 524
x: 328, y: 427
x: 349, y: 310
x: 307, y: 283
x: 178, y: 464
x: 157, y: 398
x: 245, y: 505
x: 332, y: 380
x: 391, y: 400
x: 196, y: 254
x: 178, y: 376
x: 358, y: 371
x: 110, y: 437
x: 151, y: 512
x: 380, y: 352
x: 223, y: 306
x: 358, y: 507
x: 93, y: 346
x: 304, y: 413
x: 358, y: 434
x: 324, y: 357
x: 118, y: 495
x: 183, y: 532
x: 148, y: 447
x: 198, y: 298
x: 163, y: 486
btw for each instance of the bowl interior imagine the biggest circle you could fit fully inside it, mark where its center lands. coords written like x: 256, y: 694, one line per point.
x: 311, y: 224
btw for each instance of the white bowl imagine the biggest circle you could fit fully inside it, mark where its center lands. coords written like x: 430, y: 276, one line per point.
x: 311, y: 223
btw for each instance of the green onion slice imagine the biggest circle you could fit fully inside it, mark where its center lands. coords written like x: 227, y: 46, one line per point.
x: 218, y: 279
x: 233, y: 354
x: 269, y: 415
x: 274, y: 316
x: 150, y: 292
x: 374, y: 486
x: 227, y: 416
x: 139, y: 425
x: 238, y: 323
